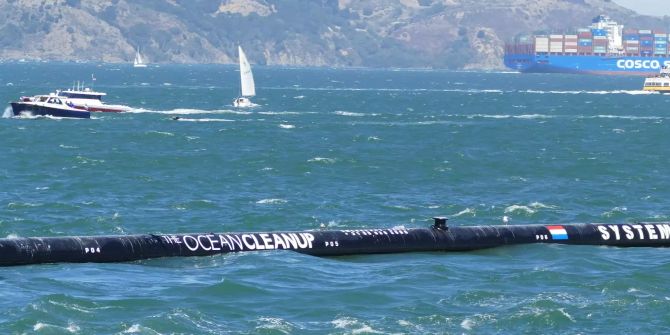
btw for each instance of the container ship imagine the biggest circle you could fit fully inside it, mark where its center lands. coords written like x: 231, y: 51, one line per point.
x: 605, y: 47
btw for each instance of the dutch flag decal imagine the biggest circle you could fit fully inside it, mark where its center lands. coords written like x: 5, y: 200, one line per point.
x: 558, y: 232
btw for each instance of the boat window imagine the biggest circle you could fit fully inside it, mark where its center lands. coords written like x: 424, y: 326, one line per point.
x: 43, y: 99
x: 80, y: 95
x: 666, y: 84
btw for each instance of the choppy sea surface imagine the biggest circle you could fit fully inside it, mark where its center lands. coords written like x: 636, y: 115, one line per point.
x: 346, y: 149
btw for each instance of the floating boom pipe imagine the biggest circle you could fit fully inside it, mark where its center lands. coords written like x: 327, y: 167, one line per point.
x: 438, y: 237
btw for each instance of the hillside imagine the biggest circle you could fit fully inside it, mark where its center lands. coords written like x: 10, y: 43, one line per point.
x: 459, y: 34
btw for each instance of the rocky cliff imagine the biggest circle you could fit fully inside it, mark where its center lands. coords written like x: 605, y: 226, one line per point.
x: 463, y: 34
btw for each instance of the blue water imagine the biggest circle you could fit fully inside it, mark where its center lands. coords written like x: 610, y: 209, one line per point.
x: 344, y: 149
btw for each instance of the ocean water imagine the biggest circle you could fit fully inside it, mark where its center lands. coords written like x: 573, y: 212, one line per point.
x: 346, y: 149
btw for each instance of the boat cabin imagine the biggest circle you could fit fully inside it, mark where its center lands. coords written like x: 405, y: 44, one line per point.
x: 87, y: 93
x: 49, y: 99
x: 658, y: 83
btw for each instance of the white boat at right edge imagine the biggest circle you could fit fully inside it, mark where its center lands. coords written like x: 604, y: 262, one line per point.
x: 658, y: 83
x: 247, y: 86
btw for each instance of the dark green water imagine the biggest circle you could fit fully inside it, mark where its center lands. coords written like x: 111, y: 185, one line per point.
x: 346, y: 149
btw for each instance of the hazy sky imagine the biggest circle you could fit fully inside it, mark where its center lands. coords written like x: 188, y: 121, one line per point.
x: 647, y: 7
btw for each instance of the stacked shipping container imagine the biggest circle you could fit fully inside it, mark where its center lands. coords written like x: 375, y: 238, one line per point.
x: 599, y: 41
x: 631, y: 42
x: 660, y: 43
x: 556, y: 43
x: 646, y: 42
x: 595, y: 41
x: 541, y: 44
x: 570, y: 44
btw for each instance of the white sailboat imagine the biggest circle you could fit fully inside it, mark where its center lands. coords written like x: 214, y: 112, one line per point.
x: 139, y: 62
x: 247, y: 86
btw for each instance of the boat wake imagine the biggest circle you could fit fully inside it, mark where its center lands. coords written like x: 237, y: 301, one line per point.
x: 186, y: 111
x: 459, y: 90
x: 630, y: 92
x: 374, y: 89
x: 30, y: 116
x: 8, y: 113
x: 625, y: 117
x: 345, y: 113
x: 545, y: 116
x: 204, y: 120
x: 508, y: 116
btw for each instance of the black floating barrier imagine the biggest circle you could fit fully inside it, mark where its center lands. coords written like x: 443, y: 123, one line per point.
x: 439, y: 237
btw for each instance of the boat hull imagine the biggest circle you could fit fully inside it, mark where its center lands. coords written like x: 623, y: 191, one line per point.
x: 103, y: 108
x: 20, y: 107
x: 587, y: 64
x: 242, y: 102
x: 664, y: 90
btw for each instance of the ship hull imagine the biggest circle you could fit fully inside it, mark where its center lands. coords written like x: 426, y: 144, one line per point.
x: 587, y: 64
x: 20, y: 107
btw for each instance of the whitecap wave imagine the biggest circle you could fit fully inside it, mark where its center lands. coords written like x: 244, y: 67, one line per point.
x: 615, y: 211
x: 520, y: 209
x: 286, y: 126
x: 490, y: 116
x: 533, y: 116
x: 470, y: 211
x: 566, y: 314
x: 624, y: 117
x: 275, y: 325
x: 204, y: 120
x: 538, y: 205
x: 41, y: 326
x: 322, y: 160
x: 280, y: 113
x: 272, y: 201
x: 135, y: 328
x: 467, y: 324
x: 355, y: 326
x: 345, y: 113
x: 156, y: 132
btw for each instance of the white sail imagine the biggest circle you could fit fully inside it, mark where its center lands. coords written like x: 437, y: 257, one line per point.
x: 248, y: 87
x: 138, y: 60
